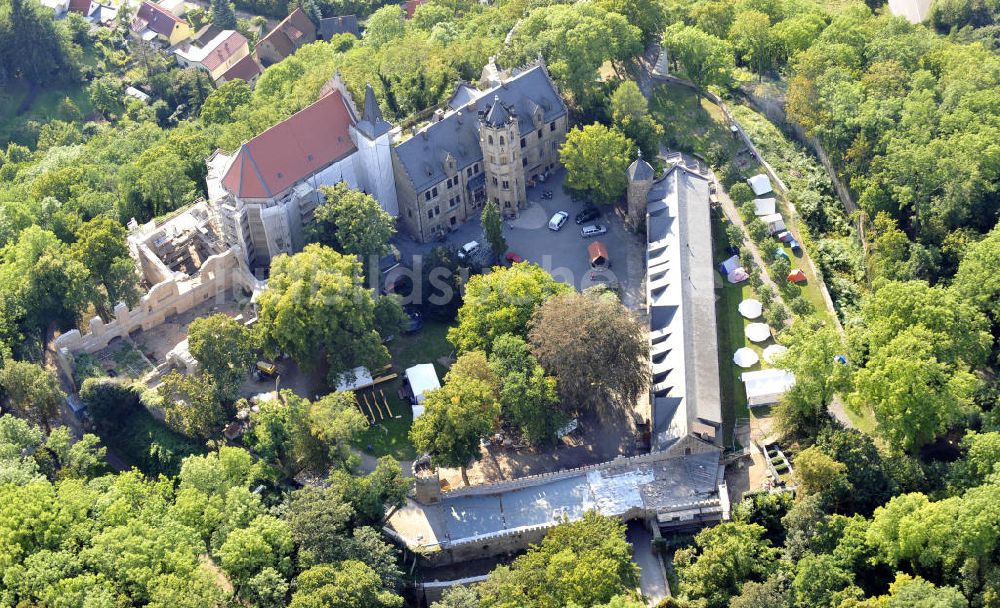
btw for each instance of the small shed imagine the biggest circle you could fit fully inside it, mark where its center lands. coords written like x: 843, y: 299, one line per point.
x: 598, y: 254
x: 765, y: 387
x: 729, y: 265
x: 421, y: 378
x: 796, y: 276
x: 764, y: 206
x: 774, y: 222
x: 760, y: 184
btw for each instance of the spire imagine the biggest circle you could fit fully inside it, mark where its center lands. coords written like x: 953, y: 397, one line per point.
x: 640, y: 170
x: 372, y: 123
x: 498, y: 114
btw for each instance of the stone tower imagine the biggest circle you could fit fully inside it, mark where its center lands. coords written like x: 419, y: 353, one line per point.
x: 426, y: 482
x: 500, y: 138
x: 640, y: 181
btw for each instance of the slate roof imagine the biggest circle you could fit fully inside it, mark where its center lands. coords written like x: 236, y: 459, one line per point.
x: 498, y: 114
x: 306, y: 142
x: 422, y: 156
x: 372, y: 124
x: 331, y: 26
x: 640, y: 170
x: 155, y: 18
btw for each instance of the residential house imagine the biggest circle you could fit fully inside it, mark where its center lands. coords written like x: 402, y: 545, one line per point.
x: 410, y: 7
x: 332, y: 26
x: 80, y: 6
x: 59, y: 7
x: 265, y: 194
x: 215, y: 54
x: 102, y: 14
x: 153, y: 22
x: 293, y: 32
x: 486, y: 145
x: 248, y: 69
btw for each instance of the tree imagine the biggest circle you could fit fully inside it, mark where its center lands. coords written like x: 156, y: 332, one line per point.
x: 352, y: 223
x: 869, y: 479
x: 32, y: 390
x: 266, y: 543
x: 458, y: 596
x: 907, y: 591
x: 707, y: 60
x: 812, y: 349
x: 583, y: 563
x: 348, y: 583
x: 225, y: 349
x: 608, y: 367
x: 499, y: 303
x: 76, y: 459
x: 223, y: 15
x: 192, y: 404
x: 722, y: 559
x: 384, y: 25
x: 647, y: 15
x: 456, y: 416
x: 976, y: 280
x: 440, y: 284
x: 817, y: 473
x: 821, y: 581
x: 319, y: 519
x: 914, y: 394
x: 109, y: 402
x: 493, y: 230
x: 100, y: 246
x: 221, y: 105
x: 751, y: 34
x: 596, y: 160
x: 528, y: 399
x: 315, y: 305
x: 630, y: 112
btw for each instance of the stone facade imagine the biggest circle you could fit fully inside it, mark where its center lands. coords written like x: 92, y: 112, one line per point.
x: 487, y: 145
x: 640, y: 182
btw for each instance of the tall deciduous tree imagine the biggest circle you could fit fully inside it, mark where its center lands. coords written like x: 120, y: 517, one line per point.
x: 816, y: 472
x: 493, y: 230
x: 596, y: 160
x: 225, y: 349
x: 751, y: 35
x: 192, y: 404
x: 348, y: 583
x: 314, y: 306
x: 528, y: 398
x: 607, y: 367
x: 978, y: 281
x: 351, y: 222
x: 32, y: 390
x: 499, y: 303
x: 630, y: 112
x: 707, y: 60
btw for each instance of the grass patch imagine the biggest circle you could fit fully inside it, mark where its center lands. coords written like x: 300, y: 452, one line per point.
x: 390, y: 436
x: 692, y: 125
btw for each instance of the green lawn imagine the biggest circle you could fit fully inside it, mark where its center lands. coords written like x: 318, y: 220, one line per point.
x: 691, y: 125
x: 390, y: 436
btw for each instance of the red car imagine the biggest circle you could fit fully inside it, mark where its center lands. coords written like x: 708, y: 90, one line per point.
x: 513, y: 258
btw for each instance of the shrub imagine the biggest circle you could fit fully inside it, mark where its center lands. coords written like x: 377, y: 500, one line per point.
x: 86, y: 366
x: 734, y: 236
x: 748, y: 210
x: 776, y: 315
x: 765, y: 294
x: 741, y: 193
x: 801, y: 306
x: 780, y: 268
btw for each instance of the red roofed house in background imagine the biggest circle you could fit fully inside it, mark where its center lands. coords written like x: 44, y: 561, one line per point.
x: 410, y: 7
x: 248, y: 69
x: 80, y: 6
x: 217, y: 54
x: 295, y: 31
x: 153, y: 22
x: 265, y: 194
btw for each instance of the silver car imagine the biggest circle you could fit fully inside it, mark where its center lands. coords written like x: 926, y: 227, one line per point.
x: 593, y: 230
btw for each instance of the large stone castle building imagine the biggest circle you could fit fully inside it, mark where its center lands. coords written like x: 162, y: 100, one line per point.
x: 491, y: 143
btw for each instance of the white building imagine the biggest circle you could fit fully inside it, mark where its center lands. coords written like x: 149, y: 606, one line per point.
x: 265, y: 194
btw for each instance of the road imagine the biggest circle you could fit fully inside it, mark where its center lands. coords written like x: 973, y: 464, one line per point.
x: 652, y: 579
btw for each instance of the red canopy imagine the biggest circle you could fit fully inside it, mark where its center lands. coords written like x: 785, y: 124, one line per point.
x: 797, y: 276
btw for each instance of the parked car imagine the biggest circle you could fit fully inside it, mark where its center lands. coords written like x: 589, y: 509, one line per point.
x: 468, y: 250
x: 593, y: 230
x: 557, y: 221
x: 587, y: 215
x: 513, y: 258
x: 415, y: 322
x: 265, y: 370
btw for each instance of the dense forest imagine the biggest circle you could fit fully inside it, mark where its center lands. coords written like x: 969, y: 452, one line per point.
x: 900, y: 514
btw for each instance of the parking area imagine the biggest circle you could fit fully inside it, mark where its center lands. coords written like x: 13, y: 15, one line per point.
x: 562, y: 253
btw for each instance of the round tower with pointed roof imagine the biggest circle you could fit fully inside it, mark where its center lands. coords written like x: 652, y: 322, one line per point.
x: 640, y: 181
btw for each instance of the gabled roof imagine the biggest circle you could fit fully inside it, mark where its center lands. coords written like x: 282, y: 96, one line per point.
x: 246, y: 69
x: 295, y: 30
x: 79, y: 6
x: 156, y: 18
x: 306, y: 142
x: 410, y: 6
x: 457, y: 133
x: 215, y: 51
x: 331, y: 26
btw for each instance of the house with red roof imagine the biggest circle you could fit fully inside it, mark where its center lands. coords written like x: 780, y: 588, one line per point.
x: 216, y: 55
x: 248, y: 69
x: 154, y: 22
x: 293, y: 32
x: 265, y: 193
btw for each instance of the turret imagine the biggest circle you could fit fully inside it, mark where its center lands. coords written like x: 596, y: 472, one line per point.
x: 640, y: 181
x: 500, y: 139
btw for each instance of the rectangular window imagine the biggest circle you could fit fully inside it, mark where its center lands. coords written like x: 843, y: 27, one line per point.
x: 430, y: 214
x: 524, y: 162
x: 468, y: 172
x: 434, y: 191
x: 448, y: 183
x: 503, y: 160
x: 493, y: 160
x: 506, y: 185
x: 552, y: 126
x: 495, y: 181
x: 453, y: 202
x: 475, y: 168
x: 523, y: 142
x: 437, y: 210
x: 539, y: 134
x: 427, y: 195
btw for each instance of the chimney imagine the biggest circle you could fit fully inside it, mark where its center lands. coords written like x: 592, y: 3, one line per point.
x: 438, y: 115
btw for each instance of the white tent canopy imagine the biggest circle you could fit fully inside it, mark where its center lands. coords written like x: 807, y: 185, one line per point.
x: 745, y: 357
x: 774, y: 222
x: 764, y: 206
x: 772, y: 352
x: 757, y: 332
x: 751, y: 308
x: 421, y: 379
x: 356, y: 379
x: 760, y: 184
x: 766, y: 386
x: 729, y: 264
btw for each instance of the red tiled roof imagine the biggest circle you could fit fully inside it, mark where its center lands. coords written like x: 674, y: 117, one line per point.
x: 410, y: 6
x: 155, y: 18
x: 79, y: 6
x: 297, y: 147
x: 286, y: 35
x: 246, y: 69
x: 224, y: 50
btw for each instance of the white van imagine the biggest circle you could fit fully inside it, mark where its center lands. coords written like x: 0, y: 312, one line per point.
x: 558, y: 220
x: 468, y: 250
